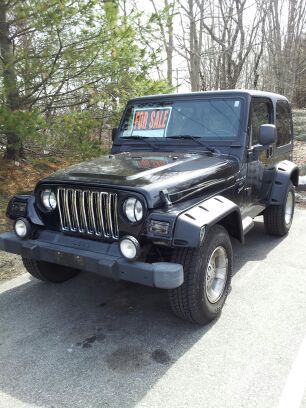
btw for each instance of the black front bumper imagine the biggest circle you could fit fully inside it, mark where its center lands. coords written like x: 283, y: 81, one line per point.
x: 99, y: 257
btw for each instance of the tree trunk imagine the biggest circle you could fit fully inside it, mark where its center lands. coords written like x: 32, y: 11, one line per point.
x: 170, y: 45
x: 12, y: 101
x: 194, y: 50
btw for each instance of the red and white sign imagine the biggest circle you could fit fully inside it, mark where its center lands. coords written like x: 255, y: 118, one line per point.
x: 151, y: 121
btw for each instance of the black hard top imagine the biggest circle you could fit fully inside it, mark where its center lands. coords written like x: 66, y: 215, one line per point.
x: 228, y: 92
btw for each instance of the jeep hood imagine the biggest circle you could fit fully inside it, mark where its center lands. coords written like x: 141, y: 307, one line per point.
x: 183, y: 175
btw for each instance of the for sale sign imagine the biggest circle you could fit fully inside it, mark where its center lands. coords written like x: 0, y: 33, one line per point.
x: 151, y: 122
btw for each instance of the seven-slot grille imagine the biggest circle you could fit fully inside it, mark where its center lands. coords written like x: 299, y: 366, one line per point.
x: 88, y: 212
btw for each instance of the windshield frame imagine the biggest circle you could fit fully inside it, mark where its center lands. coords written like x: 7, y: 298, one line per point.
x: 168, y: 99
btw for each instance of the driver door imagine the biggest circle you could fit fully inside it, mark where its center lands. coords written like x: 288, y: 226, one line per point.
x: 260, y: 165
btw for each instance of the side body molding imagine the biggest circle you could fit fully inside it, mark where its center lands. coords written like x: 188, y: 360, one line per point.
x: 191, y: 225
x: 285, y: 172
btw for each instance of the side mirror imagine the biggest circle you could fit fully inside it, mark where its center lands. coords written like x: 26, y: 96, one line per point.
x: 114, y: 133
x: 267, y: 135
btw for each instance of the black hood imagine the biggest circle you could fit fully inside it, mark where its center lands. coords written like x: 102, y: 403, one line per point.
x: 182, y: 175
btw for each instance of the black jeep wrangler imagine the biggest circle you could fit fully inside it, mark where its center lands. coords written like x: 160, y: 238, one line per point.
x: 186, y: 172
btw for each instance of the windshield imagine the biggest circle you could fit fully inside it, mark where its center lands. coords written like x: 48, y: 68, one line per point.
x: 211, y: 119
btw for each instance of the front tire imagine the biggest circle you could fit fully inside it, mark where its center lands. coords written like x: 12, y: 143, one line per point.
x: 207, y: 277
x: 278, y: 218
x: 46, y: 271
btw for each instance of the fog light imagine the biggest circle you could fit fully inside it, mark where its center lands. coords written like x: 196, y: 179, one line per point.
x: 129, y: 248
x: 22, y: 228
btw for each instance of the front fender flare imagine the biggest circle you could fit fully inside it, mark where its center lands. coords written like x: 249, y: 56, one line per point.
x: 30, y: 211
x: 191, y: 225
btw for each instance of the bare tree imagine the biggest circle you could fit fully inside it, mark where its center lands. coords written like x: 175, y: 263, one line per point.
x: 190, y: 47
x: 300, y: 84
x: 216, y: 42
x: 235, y: 39
x: 164, y: 20
x: 284, y: 42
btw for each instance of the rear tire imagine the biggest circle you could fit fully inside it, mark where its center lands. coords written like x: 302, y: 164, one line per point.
x: 202, y: 295
x: 278, y: 218
x: 46, y: 271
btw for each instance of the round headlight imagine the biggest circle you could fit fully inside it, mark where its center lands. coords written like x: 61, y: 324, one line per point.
x: 133, y: 209
x: 22, y: 228
x: 129, y: 248
x: 48, y: 199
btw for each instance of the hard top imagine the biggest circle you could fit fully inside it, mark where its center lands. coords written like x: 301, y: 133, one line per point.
x: 228, y: 92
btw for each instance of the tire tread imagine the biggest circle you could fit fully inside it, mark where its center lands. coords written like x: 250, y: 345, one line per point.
x: 33, y: 268
x: 274, y: 217
x: 184, y: 300
x: 48, y: 272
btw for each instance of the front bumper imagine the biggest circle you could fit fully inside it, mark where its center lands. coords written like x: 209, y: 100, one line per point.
x: 99, y: 257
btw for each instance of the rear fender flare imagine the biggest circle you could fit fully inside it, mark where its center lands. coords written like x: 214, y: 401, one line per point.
x: 285, y: 172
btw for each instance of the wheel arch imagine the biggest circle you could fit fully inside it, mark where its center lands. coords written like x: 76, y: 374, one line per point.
x: 192, y: 225
x: 294, y: 177
x: 233, y: 224
x: 285, y: 172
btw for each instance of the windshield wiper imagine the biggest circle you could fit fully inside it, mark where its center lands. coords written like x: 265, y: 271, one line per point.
x: 195, y: 139
x: 144, y: 138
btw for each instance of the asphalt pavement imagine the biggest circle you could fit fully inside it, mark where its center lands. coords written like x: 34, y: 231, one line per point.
x: 91, y: 342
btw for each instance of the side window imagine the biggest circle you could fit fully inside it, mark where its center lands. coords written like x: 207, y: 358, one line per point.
x: 261, y: 114
x: 283, y: 123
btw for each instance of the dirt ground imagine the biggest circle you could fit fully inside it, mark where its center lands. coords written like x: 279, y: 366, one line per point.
x: 10, y: 266
x: 20, y: 177
x: 23, y: 176
x: 299, y: 156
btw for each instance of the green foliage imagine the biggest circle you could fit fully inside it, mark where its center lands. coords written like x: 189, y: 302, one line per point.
x: 27, y: 124
x: 76, y: 63
x: 73, y: 134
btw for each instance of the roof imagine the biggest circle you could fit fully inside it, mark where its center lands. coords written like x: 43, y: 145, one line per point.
x: 232, y: 92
